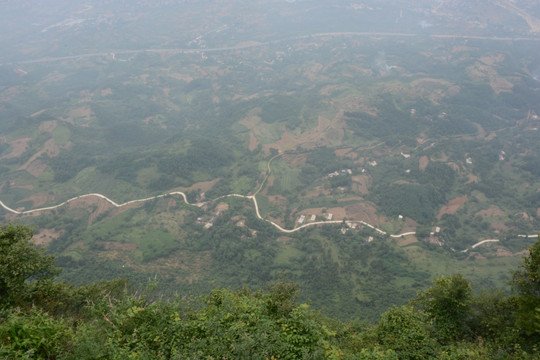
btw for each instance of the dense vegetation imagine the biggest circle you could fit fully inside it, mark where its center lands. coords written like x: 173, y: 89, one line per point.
x: 41, y: 318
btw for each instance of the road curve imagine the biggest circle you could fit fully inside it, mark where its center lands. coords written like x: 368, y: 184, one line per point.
x: 183, y: 195
x: 249, y: 197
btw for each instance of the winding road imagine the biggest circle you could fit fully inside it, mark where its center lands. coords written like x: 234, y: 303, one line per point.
x: 249, y: 197
x: 233, y: 48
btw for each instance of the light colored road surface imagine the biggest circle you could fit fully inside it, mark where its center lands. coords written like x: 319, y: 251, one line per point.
x: 250, y: 197
x: 113, y: 53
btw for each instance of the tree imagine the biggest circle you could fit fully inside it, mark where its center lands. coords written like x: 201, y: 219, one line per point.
x: 25, y: 270
x: 447, y: 303
x: 526, y: 283
x: 407, y: 332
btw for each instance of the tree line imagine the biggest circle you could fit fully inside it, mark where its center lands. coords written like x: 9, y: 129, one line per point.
x: 41, y: 318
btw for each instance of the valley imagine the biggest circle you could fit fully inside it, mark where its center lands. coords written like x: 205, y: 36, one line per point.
x: 360, y: 156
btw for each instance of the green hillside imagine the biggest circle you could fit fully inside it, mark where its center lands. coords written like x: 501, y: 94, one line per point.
x: 44, y: 319
x: 360, y: 150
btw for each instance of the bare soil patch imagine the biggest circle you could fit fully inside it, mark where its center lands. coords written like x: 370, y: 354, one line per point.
x: 183, y: 77
x: 361, y: 184
x: 113, y: 245
x: 327, y: 132
x: 283, y: 239
x: 338, y: 213
x: 407, y: 240
x: 312, y: 73
x: 295, y: 160
x: 93, y: 204
x: 18, y: 147
x: 105, y: 92
x: 491, y: 212
x: 221, y: 207
x: 498, y: 226
x: 408, y: 225
x: 203, y: 185
x: 45, y: 236
x: 34, y: 166
x: 471, y: 179
x: 253, y: 142
x: 39, y: 199
x: 327, y: 90
x: 350, y: 198
x: 316, y: 192
x: 452, y: 206
x: 278, y: 200
x: 80, y: 116
x: 48, y: 126
x: 503, y: 252
x: 501, y: 85
x: 423, y: 162
x: 346, y: 153
x: 171, y: 204
x: 364, y: 212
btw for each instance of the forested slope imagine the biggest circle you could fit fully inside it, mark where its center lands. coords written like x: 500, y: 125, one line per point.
x: 44, y: 319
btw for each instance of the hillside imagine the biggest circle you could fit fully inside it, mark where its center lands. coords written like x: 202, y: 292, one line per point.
x: 44, y: 319
x: 367, y: 120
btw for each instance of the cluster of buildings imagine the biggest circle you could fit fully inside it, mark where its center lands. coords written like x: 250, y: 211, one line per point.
x: 302, y: 218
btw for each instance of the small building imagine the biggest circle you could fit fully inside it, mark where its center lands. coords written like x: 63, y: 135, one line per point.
x: 301, y: 219
x: 329, y: 216
x: 313, y: 217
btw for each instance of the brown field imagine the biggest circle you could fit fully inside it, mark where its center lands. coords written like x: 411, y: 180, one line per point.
x: 338, y: 212
x: 498, y: 226
x: 34, y: 166
x: 407, y: 240
x: 423, y: 162
x: 361, y: 183
x: 327, y: 132
x: 278, y: 200
x: 18, y: 147
x: 491, y: 212
x: 471, y: 179
x: 39, y: 199
x: 105, y: 92
x: 295, y: 160
x: 364, y: 212
x: 452, y: 206
x: 203, y: 185
x: 44, y: 237
x: 253, y: 142
x: 48, y: 126
x: 79, y: 116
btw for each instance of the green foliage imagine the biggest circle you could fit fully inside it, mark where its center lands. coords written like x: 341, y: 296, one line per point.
x: 407, y: 332
x: 418, y: 202
x: 447, y: 304
x: 24, y: 269
x: 105, y: 321
x: 32, y: 335
x: 526, y: 284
